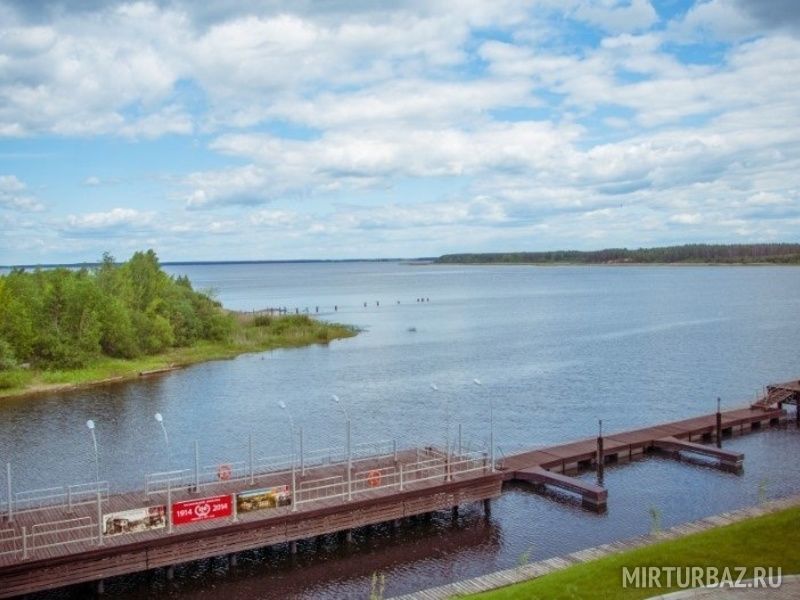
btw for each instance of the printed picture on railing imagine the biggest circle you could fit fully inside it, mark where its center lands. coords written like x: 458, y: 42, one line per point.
x: 135, y: 520
x: 263, y: 498
x: 202, y: 510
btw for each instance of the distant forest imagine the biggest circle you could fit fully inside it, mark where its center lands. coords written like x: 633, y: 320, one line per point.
x: 786, y: 254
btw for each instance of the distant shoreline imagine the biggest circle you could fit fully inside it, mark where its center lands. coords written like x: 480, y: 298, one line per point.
x: 189, y: 263
x: 611, y: 264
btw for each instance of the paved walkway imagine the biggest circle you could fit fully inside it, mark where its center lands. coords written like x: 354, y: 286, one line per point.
x: 530, y: 571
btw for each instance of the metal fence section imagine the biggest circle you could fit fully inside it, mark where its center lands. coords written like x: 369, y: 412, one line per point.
x: 10, y: 542
x: 61, y: 533
x: 208, y: 476
x: 392, y: 478
x: 68, y: 496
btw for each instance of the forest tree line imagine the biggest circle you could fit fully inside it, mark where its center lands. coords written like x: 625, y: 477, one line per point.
x: 689, y: 253
x: 63, y: 318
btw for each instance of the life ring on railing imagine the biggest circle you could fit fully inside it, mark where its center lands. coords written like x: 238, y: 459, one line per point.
x: 224, y: 472
x: 374, y: 478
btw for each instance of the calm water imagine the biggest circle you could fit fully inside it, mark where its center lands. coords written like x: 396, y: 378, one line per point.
x: 557, y: 348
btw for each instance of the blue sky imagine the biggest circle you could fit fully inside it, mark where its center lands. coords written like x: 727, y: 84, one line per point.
x: 281, y: 130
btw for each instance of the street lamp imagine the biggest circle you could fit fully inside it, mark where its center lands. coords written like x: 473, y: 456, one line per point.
x: 90, y: 425
x: 160, y: 420
x: 491, y: 425
x: 282, y: 405
x: 341, y: 405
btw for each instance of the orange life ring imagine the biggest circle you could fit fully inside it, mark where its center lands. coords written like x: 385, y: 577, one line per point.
x: 224, y: 472
x: 374, y: 478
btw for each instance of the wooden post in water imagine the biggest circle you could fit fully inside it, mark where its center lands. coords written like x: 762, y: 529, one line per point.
x: 600, y: 456
x: 719, y: 425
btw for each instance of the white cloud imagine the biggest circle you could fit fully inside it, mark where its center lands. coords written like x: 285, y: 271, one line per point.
x: 14, y: 195
x: 102, y: 222
x: 617, y: 15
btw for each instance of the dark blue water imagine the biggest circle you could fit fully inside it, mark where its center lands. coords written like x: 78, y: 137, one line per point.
x: 556, y: 348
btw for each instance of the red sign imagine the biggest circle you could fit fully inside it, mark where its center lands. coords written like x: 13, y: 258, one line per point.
x: 192, y: 511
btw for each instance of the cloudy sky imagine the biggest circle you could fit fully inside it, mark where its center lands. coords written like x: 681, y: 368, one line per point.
x: 351, y: 128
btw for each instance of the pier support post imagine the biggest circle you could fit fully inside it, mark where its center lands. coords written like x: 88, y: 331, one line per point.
x: 9, y: 496
x: 170, y: 573
x: 302, y: 453
x: 293, y: 547
x: 600, y: 456
x: 797, y: 412
x: 196, y: 466
x: 719, y: 424
x: 250, y: 458
x: 99, y: 519
x: 233, y: 560
x: 348, y: 536
x: 101, y: 587
x: 487, y: 507
x: 455, y: 512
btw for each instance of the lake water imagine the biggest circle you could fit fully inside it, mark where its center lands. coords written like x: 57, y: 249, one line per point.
x: 557, y: 348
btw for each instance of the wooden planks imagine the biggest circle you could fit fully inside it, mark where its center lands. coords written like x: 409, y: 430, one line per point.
x: 207, y: 540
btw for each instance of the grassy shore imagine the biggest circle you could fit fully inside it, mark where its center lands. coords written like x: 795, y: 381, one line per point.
x: 771, y: 540
x: 251, y: 334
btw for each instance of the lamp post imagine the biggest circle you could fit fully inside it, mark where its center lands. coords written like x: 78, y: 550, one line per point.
x: 160, y: 420
x: 282, y: 405
x: 90, y: 425
x: 491, y: 425
x: 348, y: 438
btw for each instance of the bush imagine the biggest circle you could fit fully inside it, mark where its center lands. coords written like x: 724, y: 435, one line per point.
x: 7, y: 359
x: 262, y: 321
x: 13, y: 379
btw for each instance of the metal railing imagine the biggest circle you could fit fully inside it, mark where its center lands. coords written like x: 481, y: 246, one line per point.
x: 67, y: 496
x: 264, y: 467
x: 390, y: 478
x: 50, y: 534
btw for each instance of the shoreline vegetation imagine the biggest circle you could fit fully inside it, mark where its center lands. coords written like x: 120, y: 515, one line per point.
x: 689, y: 254
x: 62, y: 329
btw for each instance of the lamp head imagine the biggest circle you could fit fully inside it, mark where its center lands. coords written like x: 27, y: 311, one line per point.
x: 335, y: 398
x: 477, y: 382
x: 90, y: 424
x: 158, y: 417
x: 282, y: 404
x: 434, y: 387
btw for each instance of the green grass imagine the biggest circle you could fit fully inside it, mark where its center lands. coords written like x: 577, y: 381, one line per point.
x: 270, y: 333
x: 770, y: 541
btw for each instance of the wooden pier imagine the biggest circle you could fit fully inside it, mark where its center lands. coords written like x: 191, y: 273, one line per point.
x: 675, y: 438
x: 93, y: 537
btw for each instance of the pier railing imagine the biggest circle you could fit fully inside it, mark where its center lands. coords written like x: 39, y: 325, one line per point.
x: 321, y: 475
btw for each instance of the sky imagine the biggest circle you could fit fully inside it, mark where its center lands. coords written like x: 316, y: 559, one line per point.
x: 350, y: 128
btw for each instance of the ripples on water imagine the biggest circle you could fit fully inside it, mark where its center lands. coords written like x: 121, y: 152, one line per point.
x: 556, y: 348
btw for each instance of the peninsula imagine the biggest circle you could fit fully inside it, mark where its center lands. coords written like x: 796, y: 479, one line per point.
x: 62, y: 328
